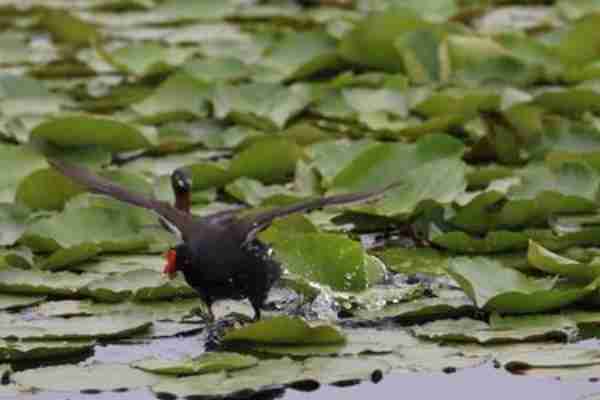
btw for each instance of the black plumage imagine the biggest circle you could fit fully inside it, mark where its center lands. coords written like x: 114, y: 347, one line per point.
x: 220, y: 255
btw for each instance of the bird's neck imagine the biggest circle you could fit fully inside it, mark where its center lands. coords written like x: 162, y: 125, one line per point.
x: 183, y: 201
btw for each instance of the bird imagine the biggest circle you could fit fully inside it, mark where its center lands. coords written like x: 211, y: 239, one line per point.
x: 219, y: 255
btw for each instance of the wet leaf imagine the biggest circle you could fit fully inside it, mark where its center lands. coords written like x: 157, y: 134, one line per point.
x: 262, y: 105
x: 91, y: 131
x: 469, y: 330
x: 102, y: 377
x: 324, y: 258
x: 178, y: 97
x: 11, y: 302
x: 35, y: 282
x: 13, y: 220
x: 495, y: 287
x: 552, y: 263
x: 139, y: 285
x: 21, y: 351
x: 285, y: 331
x: 17, y: 162
x: 204, y: 364
x: 77, y: 328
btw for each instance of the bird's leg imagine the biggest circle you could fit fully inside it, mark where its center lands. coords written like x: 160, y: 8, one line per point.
x: 257, y: 305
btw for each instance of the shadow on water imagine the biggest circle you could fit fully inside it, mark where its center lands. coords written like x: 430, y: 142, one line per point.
x: 485, y: 382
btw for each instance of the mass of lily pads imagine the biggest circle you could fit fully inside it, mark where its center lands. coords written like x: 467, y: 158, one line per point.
x: 485, y: 111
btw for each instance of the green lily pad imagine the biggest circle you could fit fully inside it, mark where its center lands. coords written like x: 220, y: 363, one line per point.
x: 80, y: 131
x: 472, y: 331
x: 21, y: 351
x: 449, y: 304
x: 68, y: 28
x: 324, y: 258
x: 11, y: 302
x: 414, y: 261
x: 302, y: 54
x: 267, y: 373
x: 35, y: 282
x: 13, y: 220
x: 204, y: 364
x: 262, y: 105
x: 113, y: 230
x: 45, y: 189
x: 77, y: 328
x: 493, y: 242
x: 495, y: 287
x: 144, y: 59
x: 69, y: 257
x: 138, y: 285
x: 358, y: 341
x: 17, y: 162
x: 436, y: 157
x: 379, y: 31
x: 25, y: 96
x: 176, y: 98
x: 552, y: 263
x: 285, y: 330
x: 73, y: 378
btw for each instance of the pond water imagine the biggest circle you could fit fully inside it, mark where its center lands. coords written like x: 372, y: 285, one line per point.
x: 485, y: 382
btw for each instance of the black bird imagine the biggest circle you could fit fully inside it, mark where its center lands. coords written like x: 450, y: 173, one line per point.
x: 220, y: 255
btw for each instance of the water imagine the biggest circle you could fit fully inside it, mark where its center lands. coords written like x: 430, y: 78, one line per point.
x: 485, y: 382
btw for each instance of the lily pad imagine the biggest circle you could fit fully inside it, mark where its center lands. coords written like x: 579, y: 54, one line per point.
x: 36, y: 282
x: 12, y: 302
x: 204, y: 364
x: 472, y: 331
x: 495, y: 287
x: 17, y: 162
x: 550, y: 262
x: 324, y: 258
x: 112, y: 231
x: 80, y: 131
x: 138, y: 285
x: 178, y: 97
x: 285, y: 330
x: 77, y: 328
x: 21, y: 351
x: 13, y: 220
x: 266, y: 374
x: 262, y: 105
x: 102, y: 377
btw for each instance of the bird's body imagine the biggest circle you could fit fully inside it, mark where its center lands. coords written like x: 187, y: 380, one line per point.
x: 220, y: 255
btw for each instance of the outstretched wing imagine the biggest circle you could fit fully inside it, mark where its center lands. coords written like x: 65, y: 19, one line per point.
x: 260, y: 221
x: 97, y: 184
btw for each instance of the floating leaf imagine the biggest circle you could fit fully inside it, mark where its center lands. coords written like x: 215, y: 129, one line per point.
x: 35, y: 282
x: 495, y: 287
x: 204, y: 364
x: 91, y: 131
x: 469, y: 330
x: 10, y: 302
x: 77, y: 328
x: 26, y: 351
x: 13, y: 220
x: 17, y: 162
x: 177, y: 97
x: 263, y: 105
x: 549, y: 262
x: 285, y: 331
x: 73, y: 378
x: 139, y: 285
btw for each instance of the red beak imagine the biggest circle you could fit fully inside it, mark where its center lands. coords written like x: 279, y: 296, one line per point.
x: 170, y: 268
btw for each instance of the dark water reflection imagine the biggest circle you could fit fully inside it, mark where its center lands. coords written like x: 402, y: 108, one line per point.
x: 484, y: 382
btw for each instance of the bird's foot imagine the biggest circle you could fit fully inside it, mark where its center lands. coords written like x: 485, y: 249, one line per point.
x: 218, y: 329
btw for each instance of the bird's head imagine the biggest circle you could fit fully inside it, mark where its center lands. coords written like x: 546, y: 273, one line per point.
x: 182, y: 188
x: 178, y: 259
